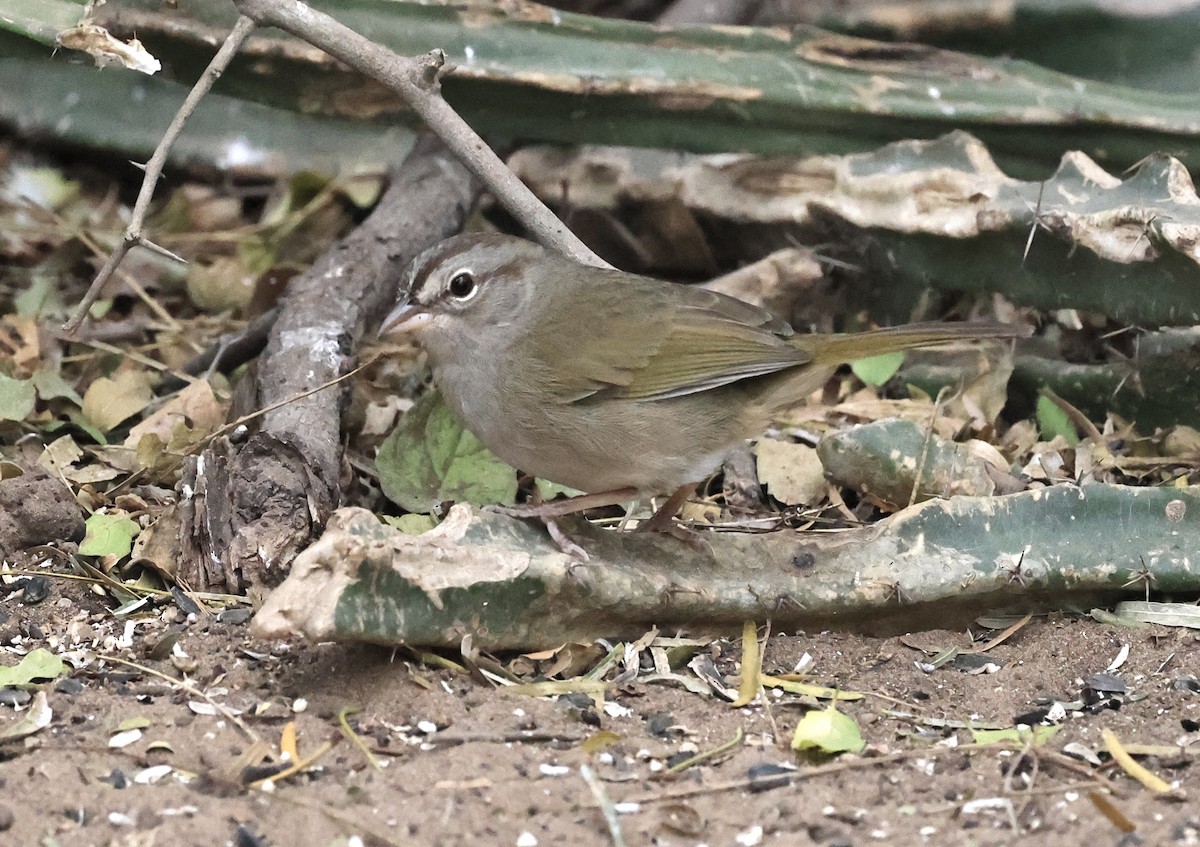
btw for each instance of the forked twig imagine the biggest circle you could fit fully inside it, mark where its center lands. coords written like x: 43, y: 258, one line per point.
x: 416, y: 81
x: 133, y: 233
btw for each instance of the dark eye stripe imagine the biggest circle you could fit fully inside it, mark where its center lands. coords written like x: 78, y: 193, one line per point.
x: 430, y: 262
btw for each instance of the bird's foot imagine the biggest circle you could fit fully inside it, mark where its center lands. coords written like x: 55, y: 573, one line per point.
x: 565, y: 542
x: 569, y: 506
x: 549, y: 518
x: 548, y: 513
x: 663, y: 521
x: 690, y: 537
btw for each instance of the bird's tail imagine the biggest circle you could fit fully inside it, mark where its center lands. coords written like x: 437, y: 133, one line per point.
x: 847, y: 347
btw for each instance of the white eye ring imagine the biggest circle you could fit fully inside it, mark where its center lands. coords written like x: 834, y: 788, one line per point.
x: 462, y: 285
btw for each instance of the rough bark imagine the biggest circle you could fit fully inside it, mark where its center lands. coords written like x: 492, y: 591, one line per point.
x: 284, y: 481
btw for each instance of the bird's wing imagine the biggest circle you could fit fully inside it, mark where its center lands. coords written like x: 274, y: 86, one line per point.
x: 649, y: 340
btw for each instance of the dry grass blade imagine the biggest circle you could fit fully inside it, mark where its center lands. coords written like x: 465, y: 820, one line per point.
x: 605, y: 804
x: 1109, y: 809
x: 296, y: 767
x: 183, y: 685
x: 795, y: 684
x: 937, y: 410
x: 706, y: 754
x: 551, y: 688
x: 800, y: 775
x: 751, y: 681
x: 999, y: 639
x: 355, y: 738
x: 1121, y: 757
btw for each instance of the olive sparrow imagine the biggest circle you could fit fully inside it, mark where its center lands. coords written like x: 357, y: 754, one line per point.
x: 609, y: 382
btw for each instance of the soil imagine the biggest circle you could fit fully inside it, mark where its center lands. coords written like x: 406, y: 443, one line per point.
x: 464, y: 762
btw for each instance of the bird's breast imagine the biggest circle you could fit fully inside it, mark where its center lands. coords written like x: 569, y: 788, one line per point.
x: 596, y: 445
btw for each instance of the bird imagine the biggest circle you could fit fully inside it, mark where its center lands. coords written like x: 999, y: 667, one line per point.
x: 619, y: 385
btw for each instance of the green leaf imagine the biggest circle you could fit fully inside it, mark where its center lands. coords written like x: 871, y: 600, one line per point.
x: 108, y: 535
x: 50, y: 385
x: 41, y: 298
x: 1052, y: 421
x: 1164, y: 614
x: 44, y: 187
x: 37, y: 664
x: 78, y: 419
x: 411, y: 524
x: 430, y: 458
x: 876, y: 370
x: 1019, y: 735
x: 829, y: 731
x: 17, y: 397
x: 549, y: 490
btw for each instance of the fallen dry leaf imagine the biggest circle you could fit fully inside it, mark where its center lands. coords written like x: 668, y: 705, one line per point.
x: 792, y: 472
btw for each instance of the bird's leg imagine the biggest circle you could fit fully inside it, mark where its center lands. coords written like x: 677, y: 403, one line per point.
x: 549, y: 512
x: 664, y: 519
x: 560, y: 508
x: 661, y: 521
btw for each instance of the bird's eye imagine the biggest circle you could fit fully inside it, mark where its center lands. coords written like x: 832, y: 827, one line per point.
x: 462, y: 285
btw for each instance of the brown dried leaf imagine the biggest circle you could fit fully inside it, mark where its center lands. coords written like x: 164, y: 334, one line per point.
x: 195, y: 408
x: 109, y: 401
x: 19, y: 339
x: 1183, y: 442
x: 60, y: 455
x: 792, y: 472
x: 223, y: 284
x: 106, y: 50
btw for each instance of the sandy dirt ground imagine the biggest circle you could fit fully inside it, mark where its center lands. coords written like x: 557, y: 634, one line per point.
x: 462, y: 762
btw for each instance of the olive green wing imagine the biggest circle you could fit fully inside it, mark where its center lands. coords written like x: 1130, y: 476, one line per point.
x: 647, y: 340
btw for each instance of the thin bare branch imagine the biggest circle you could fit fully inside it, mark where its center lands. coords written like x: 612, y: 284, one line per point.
x: 415, y: 80
x: 153, y: 170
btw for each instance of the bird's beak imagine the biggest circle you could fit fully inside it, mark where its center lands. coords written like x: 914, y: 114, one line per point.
x: 406, y: 317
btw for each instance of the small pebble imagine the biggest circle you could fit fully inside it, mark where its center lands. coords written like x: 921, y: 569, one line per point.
x: 14, y: 697
x: 68, y: 686
x: 237, y: 616
x: 6, y: 817
x: 766, y: 776
x: 36, y: 590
